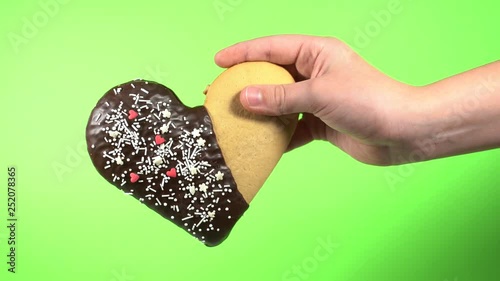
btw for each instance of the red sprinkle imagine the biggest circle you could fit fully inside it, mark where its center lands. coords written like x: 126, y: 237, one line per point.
x: 132, y: 114
x: 134, y: 177
x: 172, y: 173
x: 159, y: 139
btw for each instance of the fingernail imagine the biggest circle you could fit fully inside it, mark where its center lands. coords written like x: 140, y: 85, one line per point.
x: 253, y: 96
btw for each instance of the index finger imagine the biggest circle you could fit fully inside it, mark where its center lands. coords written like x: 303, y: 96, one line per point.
x: 278, y: 49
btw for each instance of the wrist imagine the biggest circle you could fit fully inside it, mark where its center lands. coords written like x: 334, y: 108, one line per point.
x: 415, y: 129
x: 451, y: 119
x: 430, y: 119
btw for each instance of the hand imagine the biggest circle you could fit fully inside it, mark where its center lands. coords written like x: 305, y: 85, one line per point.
x: 370, y: 116
x: 346, y: 101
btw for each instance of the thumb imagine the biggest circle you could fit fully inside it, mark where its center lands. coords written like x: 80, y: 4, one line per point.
x: 278, y: 100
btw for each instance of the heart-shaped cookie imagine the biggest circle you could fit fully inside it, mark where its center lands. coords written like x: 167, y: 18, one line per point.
x: 198, y: 167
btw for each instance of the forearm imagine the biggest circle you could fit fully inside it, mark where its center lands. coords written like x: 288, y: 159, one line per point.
x: 461, y: 114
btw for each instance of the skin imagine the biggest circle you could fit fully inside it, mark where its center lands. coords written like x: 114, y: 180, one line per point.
x: 372, y: 117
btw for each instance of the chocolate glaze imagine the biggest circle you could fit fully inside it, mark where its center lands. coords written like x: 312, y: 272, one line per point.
x: 120, y: 145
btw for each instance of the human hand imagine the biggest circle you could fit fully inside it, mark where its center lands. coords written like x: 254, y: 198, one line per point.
x: 345, y: 100
x: 370, y: 116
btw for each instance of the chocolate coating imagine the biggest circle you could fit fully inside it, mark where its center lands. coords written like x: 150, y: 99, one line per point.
x: 143, y: 140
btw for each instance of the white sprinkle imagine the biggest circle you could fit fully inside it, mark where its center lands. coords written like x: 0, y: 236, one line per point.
x: 136, y: 98
x: 211, y: 214
x: 107, y: 167
x: 196, y: 133
x: 114, y: 134
x: 187, y: 218
x: 203, y: 187
x: 144, y: 90
x: 157, y: 160
x: 193, y: 170
x: 194, y: 152
x: 200, y: 142
x: 105, y: 155
x: 119, y: 161
x: 133, y: 86
x: 164, y: 129
x: 202, y: 220
x: 158, y: 200
x: 165, y: 113
x: 191, y: 189
x: 98, y: 117
x: 219, y: 176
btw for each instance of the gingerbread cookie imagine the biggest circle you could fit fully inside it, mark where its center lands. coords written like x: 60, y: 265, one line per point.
x: 182, y: 162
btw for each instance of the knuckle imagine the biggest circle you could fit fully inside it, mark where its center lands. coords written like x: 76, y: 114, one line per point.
x: 316, y: 101
x: 343, y: 52
x: 279, y: 99
x: 336, y: 42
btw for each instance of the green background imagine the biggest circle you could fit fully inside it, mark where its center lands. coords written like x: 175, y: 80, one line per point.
x: 439, y: 220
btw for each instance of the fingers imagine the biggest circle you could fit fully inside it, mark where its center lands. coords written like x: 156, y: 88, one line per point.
x: 279, y: 100
x: 301, y: 136
x: 279, y: 49
x: 308, y: 128
x: 299, y: 50
x: 292, y: 69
